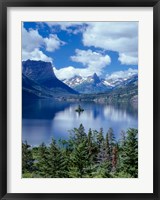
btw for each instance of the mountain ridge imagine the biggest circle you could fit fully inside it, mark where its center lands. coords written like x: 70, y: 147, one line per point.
x: 95, y: 84
x: 38, y: 79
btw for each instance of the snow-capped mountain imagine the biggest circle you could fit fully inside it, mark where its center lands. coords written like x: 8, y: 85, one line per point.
x: 77, y: 80
x: 90, y: 84
x: 95, y: 84
x: 114, y: 82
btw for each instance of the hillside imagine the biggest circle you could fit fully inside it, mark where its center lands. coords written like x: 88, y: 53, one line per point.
x: 39, y: 81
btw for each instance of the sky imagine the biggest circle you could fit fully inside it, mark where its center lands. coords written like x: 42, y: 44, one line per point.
x: 109, y: 49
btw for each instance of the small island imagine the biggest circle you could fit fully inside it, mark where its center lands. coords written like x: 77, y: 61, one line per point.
x: 79, y: 109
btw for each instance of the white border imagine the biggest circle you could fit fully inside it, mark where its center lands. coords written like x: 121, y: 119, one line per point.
x: 143, y: 184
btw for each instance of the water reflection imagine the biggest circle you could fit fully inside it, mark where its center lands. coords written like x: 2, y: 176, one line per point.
x: 44, y: 119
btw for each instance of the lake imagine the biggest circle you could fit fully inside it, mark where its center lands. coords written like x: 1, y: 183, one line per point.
x: 45, y: 118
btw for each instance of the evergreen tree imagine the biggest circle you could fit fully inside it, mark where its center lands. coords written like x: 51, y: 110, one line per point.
x: 80, y: 160
x: 27, y: 158
x: 42, y: 160
x: 80, y: 134
x: 100, y: 138
x: 114, y: 158
x: 123, y: 138
x: 111, y: 139
x: 84, y: 156
x: 130, y: 160
x: 121, y: 150
x: 104, y: 158
x: 91, y: 146
x: 57, y: 162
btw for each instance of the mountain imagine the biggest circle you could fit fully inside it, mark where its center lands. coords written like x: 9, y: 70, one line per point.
x: 31, y: 89
x: 126, y: 92
x: 38, y: 79
x: 119, y: 81
x: 87, y: 85
x: 133, y: 80
x: 94, y: 84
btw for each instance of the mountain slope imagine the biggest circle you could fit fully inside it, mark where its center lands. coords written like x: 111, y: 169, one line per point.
x: 31, y: 89
x: 126, y: 92
x: 87, y: 85
x: 41, y: 74
x: 93, y: 84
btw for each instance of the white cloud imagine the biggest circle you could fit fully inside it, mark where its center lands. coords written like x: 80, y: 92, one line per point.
x: 67, y: 72
x: 66, y: 26
x: 121, y: 37
x: 92, y: 61
x: 32, y: 41
x: 127, y: 59
x: 36, y: 54
x: 122, y: 74
x: 52, y: 43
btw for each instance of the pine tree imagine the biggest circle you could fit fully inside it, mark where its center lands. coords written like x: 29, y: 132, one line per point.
x: 114, y: 158
x: 121, y: 150
x: 42, y: 160
x: 111, y: 139
x: 79, y: 134
x: 84, y: 156
x: 91, y: 146
x: 27, y: 158
x: 123, y: 138
x: 80, y: 158
x: 57, y: 162
x: 104, y: 158
x: 100, y: 138
x: 130, y: 160
x: 100, y: 147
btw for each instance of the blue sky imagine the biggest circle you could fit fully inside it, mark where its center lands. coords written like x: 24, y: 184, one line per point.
x: 109, y: 49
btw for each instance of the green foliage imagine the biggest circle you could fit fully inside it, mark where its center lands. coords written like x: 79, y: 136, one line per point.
x: 57, y: 161
x: 27, y: 175
x: 130, y: 160
x: 42, y: 160
x: 27, y: 158
x: 84, y: 155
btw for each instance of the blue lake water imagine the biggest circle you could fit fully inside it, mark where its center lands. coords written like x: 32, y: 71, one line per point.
x: 44, y: 119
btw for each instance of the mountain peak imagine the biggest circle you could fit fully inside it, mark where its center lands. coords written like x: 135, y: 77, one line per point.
x: 42, y: 73
x: 96, y: 78
x: 38, y: 70
x: 95, y: 74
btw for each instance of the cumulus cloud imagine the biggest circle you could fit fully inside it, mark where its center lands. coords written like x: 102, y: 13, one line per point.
x: 36, y: 54
x: 52, y: 43
x: 128, y: 59
x: 122, y: 74
x: 121, y: 37
x: 68, y: 72
x: 91, y: 60
x: 32, y: 41
x: 64, y: 25
x: 68, y: 26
